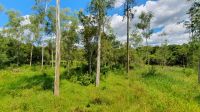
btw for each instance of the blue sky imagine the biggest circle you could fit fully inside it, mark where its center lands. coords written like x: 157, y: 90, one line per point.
x: 24, y: 6
x: 167, y: 13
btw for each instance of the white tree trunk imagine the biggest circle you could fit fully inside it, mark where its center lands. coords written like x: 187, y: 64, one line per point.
x: 31, y: 55
x: 127, y: 47
x: 98, y: 58
x: 57, y: 61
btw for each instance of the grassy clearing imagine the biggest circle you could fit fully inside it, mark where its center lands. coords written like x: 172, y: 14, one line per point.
x: 169, y: 89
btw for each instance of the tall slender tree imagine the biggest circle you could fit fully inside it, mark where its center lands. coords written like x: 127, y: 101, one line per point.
x: 33, y: 33
x: 88, y: 35
x: 69, y: 40
x: 194, y: 26
x: 50, y: 30
x: 129, y: 15
x: 57, y: 61
x: 145, y: 20
x: 98, y: 9
x: 41, y: 7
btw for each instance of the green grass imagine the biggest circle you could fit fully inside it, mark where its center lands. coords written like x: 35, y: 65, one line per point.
x: 170, y: 89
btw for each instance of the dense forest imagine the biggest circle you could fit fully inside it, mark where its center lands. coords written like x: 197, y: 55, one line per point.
x: 81, y: 47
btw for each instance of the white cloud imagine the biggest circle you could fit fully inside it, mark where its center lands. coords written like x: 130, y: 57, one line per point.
x: 175, y: 34
x: 26, y: 20
x: 118, y: 3
x: 167, y: 13
x: 119, y: 26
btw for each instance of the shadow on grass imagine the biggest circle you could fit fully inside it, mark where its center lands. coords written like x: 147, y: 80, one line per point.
x: 44, y: 82
x: 197, y: 99
x: 36, y: 82
x: 81, y: 75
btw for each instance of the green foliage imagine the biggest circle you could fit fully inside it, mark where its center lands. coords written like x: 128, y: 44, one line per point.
x: 88, y: 37
x: 170, y: 55
x: 135, y: 39
x: 78, y: 76
x: 194, y: 25
x: 3, y: 49
x: 1, y: 8
x: 150, y: 72
x: 145, y: 20
x: 99, y: 9
x: 69, y: 39
x: 163, y: 54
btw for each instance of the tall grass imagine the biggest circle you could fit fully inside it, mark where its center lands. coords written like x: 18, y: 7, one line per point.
x: 172, y: 89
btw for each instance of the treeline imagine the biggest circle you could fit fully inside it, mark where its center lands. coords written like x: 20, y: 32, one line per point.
x: 112, y: 55
x: 173, y: 55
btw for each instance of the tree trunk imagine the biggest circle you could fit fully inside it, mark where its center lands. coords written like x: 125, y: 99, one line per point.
x: 31, y: 55
x: 42, y: 55
x: 52, y: 58
x: 98, y: 57
x: 127, y: 47
x: 43, y: 42
x: 147, y: 54
x: 18, y: 54
x: 18, y: 48
x: 90, y: 62
x: 68, y: 70
x: 199, y: 72
x: 57, y: 61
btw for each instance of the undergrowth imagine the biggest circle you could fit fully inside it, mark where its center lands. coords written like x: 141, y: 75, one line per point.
x: 147, y: 89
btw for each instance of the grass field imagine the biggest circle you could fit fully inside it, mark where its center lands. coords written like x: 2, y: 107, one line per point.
x: 169, y: 89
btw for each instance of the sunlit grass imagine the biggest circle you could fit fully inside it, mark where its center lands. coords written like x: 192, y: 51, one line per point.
x: 171, y: 89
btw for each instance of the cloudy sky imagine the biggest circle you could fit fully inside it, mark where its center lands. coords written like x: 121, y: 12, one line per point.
x: 168, y: 15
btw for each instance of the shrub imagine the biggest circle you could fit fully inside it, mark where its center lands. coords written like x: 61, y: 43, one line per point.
x: 77, y: 76
x: 100, y: 101
x: 150, y: 72
x: 187, y: 72
x: 86, y: 79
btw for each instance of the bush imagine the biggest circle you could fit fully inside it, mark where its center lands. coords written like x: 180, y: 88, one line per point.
x: 187, y: 72
x: 100, y: 101
x: 77, y: 76
x: 151, y: 72
x: 86, y: 79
